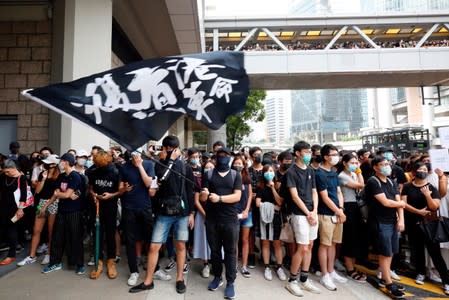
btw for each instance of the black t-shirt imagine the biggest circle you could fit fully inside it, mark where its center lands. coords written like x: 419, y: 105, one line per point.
x: 244, y: 198
x: 70, y: 181
x: 397, y: 174
x: 50, y: 185
x: 265, y: 195
x: 222, y: 212
x: 417, y: 199
x: 105, y: 180
x: 304, y: 181
x: 377, y: 210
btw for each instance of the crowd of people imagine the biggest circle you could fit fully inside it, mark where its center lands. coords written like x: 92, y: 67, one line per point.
x: 221, y: 206
x: 319, y: 45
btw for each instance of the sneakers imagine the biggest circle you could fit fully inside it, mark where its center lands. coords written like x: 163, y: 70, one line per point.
x: 215, y: 284
x: 382, y: 283
x: 338, y: 278
x: 91, y: 261
x: 42, y: 249
x: 267, y: 274
x: 8, y: 260
x: 46, y: 259
x: 393, y: 275
x: 395, y: 292
x: 80, y: 270
x: 294, y: 288
x: 51, y: 268
x: 132, y: 280
x: 26, y: 261
x: 117, y: 259
x: 327, y: 282
x: 420, y: 279
x: 251, y: 261
x: 281, y: 274
x: 141, y: 287
x: 310, y: 287
x: 245, y: 272
x: 186, y: 268
x: 180, y: 287
x: 205, y: 272
x: 229, y: 291
x: 170, y: 266
x: 161, y: 275
x: 446, y: 289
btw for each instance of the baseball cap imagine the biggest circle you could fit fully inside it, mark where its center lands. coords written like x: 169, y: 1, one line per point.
x: 81, y: 153
x: 225, y: 150
x: 51, y: 159
x: 69, y: 158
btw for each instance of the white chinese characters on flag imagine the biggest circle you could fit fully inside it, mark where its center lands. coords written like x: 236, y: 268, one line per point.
x: 140, y: 101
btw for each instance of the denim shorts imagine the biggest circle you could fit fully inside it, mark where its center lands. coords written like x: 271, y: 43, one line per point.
x: 248, y: 222
x: 385, y: 238
x: 163, y: 225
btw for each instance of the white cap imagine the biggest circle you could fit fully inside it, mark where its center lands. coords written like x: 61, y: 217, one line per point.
x: 51, y: 159
x: 81, y: 153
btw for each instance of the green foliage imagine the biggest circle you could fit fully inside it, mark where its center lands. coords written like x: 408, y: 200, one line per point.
x: 237, y: 126
x: 200, y: 137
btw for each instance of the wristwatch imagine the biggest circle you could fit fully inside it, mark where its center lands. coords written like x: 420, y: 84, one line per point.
x: 220, y: 198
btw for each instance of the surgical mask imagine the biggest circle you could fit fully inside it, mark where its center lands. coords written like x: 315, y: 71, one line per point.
x: 307, y: 158
x: 385, y: 170
x: 61, y: 167
x: 207, y: 170
x: 81, y: 161
x: 388, y: 156
x: 89, y: 163
x: 258, y: 159
x: 238, y: 169
x: 223, y: 163
x: 335, y: 160
x: 352, y: 168
x: 421, y: 175
x: 194, y: 161
x: 268, y: 176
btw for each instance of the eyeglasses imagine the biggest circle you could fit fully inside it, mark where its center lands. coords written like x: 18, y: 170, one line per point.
x: 335, y: 154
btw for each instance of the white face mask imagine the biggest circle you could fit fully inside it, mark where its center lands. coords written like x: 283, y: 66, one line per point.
x: 335, y: 160
x: 81, y: 161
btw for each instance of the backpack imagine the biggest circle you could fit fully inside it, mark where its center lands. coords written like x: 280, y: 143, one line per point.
x: 363, y: 202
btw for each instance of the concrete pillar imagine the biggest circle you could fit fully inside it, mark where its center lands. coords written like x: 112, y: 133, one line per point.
x: 384, y: 108
x: 373, y: 115
x: 428, y: 111
x: 83, y: 32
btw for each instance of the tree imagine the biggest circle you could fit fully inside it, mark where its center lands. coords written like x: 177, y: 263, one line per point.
x: 237, y: 126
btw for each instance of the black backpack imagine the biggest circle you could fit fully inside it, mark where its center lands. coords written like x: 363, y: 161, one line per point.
x: 362, y: 200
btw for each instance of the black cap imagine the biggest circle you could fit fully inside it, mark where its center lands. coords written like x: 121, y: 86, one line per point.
x: 14, y: 145
x: 69, y: 158
x: 383, y: 149
x: 225, y: 150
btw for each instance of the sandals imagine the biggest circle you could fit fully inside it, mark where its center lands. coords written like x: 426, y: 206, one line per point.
x: 356, y: 276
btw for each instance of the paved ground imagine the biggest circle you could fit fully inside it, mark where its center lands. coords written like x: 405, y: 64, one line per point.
x: 28, y: 283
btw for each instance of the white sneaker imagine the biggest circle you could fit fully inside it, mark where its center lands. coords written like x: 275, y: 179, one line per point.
x: 46, y: 259
x: 91, y: 261
x: 205, y: 273
x: 326, y: 280
x: 434, y: 276
x: 161, y: 275
x: 42, y: 249
x: 294, y: 288
x: 420, y: 279
x: 393, y: 275
x: 310, y: 287
x: 446, y: 289
x: 337, y: 277
x: 267, y: 274
x: 26, y: 261
x: 132, y: 280
x: 281, y: 274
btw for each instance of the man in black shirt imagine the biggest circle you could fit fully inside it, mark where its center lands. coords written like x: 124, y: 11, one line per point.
x: 386, y: 219
x: 222, y: 190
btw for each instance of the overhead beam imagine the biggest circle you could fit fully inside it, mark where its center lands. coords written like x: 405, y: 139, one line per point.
x: 365, y: 37
x: 336, y: 37
x: 427, y: 35
x: 246, y: 39
x: 275, y: 39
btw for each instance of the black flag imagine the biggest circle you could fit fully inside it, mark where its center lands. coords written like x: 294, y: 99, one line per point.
x: 140, y: 101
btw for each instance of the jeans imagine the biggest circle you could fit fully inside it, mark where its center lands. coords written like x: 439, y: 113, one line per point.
x: 162, y: 227
x: 108, y: 222
x: 132, y: 221
x: 223, y: 235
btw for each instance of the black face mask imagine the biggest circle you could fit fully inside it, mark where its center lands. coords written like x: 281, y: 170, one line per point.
x: 421, y: 175
x: 238, y: 169
x: 169, y: 154
x: 258, y: 159
x: 286, y: 166
x: 223, y: 163
x: 429, y: 166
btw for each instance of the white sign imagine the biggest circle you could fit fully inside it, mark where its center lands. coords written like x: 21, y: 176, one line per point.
x: 439, y: 159
x: 444, y: 136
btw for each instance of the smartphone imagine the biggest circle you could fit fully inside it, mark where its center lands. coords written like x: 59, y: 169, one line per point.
x: 334, y: 219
